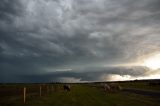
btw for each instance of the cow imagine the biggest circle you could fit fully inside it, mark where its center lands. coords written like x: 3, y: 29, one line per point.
x: 111, y: 87
x: 115, y: 87
x: 66, y: 87
x: 106, y: 87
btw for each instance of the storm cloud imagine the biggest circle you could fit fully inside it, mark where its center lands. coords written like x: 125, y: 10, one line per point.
x: 39, y: 39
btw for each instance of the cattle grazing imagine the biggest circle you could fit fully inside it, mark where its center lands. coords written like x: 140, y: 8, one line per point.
x: 66, y: 87
x: 111, y: 87
x: 115, y: 87
x: 106, y: 87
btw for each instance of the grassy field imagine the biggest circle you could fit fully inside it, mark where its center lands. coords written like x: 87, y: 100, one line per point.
x: 80, y: 95
x: 141, y: 85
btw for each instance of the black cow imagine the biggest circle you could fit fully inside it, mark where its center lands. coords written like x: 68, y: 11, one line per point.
x: 66, y: 87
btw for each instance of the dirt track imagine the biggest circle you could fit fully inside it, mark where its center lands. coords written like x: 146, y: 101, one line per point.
x: 154, y: 94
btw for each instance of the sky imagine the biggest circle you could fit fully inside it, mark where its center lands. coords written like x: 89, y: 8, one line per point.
x: 79, y: 40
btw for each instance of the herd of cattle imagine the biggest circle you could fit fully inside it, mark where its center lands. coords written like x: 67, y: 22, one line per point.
x: 110, y: 87
x: 107, y: 87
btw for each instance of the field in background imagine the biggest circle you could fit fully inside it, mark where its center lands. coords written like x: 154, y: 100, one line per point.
x: 146, y: 85
x: 80, y: 95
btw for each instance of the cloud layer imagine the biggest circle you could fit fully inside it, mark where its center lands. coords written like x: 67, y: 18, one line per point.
x: 41, y: 35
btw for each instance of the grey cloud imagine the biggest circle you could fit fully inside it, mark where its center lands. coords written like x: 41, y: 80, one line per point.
x: 89, y: 74
x: 10, y: 9
x: 36, y: 34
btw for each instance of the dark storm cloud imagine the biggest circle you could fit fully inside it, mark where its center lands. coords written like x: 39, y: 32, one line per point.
x: 10, y: 9
x: 39, y: 34
x: 92, y: 74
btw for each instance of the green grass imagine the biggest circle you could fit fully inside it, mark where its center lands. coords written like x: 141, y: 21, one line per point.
x: 83, y: 95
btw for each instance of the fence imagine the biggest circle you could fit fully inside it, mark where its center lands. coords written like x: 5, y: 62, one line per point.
x: 24, y: 92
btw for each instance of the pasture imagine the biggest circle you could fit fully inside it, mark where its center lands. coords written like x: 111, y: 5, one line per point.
x: 146, y: 85
x: 80, y: 95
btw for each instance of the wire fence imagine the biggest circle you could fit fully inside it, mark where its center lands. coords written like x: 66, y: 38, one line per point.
x: 24, y: 93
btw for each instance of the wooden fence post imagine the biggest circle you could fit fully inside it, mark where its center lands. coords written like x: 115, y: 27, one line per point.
x: 47, y: 89
x: 52, y: 88
x: 40, y: 90
x: 24, y: 95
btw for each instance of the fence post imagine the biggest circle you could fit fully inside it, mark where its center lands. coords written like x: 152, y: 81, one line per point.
x: 40, y: 91
x: 47, y: 89
x: 52, y: 88
x: 24, y: 95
